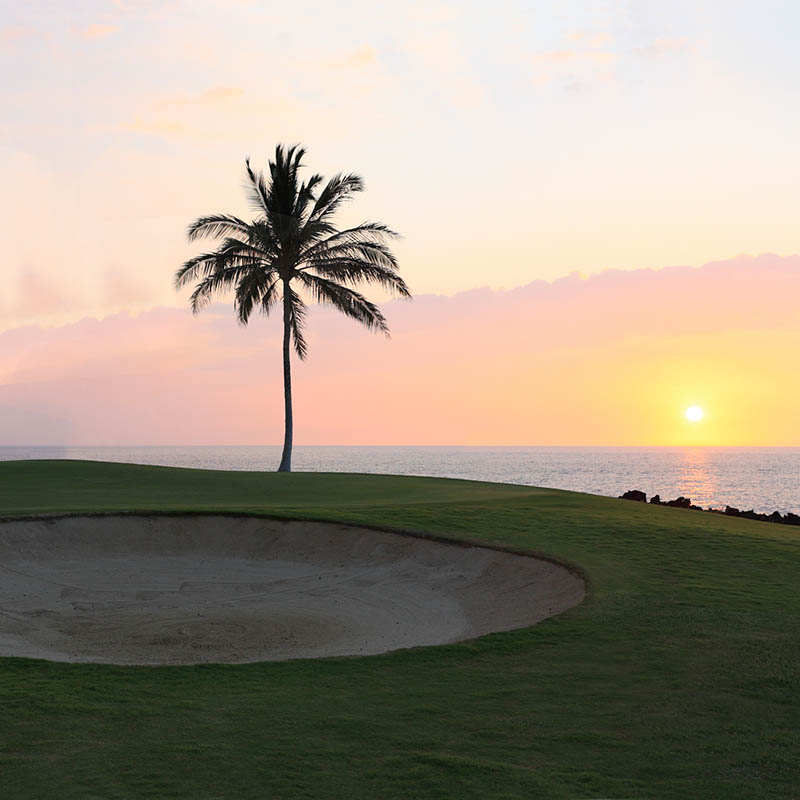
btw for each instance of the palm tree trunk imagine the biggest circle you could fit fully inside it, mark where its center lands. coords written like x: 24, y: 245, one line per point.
x: 286, y: 458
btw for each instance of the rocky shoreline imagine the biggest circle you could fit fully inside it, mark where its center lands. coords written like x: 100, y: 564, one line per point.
x: 729, y: 511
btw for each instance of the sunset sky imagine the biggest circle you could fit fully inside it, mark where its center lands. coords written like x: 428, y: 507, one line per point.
x: 599, y: 203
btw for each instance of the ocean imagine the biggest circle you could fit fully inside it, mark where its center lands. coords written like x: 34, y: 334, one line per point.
x: 765, y: 479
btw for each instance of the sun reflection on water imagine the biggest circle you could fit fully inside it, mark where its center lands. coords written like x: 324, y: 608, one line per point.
x: 695, y: 480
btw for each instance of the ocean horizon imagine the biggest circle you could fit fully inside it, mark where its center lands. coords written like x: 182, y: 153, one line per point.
x: 765, y: 479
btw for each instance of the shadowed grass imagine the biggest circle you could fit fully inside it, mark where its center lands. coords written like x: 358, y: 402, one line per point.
x: 677, y: 678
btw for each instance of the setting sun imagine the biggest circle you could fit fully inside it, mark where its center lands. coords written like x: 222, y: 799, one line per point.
x: 694, y: 413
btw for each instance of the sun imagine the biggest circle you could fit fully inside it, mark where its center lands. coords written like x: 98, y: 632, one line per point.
x: 694, y: 413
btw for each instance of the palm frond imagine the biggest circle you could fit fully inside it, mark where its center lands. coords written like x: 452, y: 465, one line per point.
x: 312, y: 232
x: 261, y: 238
x: 193, y: 268
x: 374, y: 233
x: 282, y: 197
x: 371, y: 252
x: 220, y: 281
x: 269, y: 298
x: 258, y: 193
x: 283, y: 187
x: 305, y: 195
x: 257, y: 287
x: 354, y: 271
x: 232, y: 252
x: 339, y: 189
x: 346, y: 300
x: 205, y: 265
x: 297, y: 317
x: 216, y: 225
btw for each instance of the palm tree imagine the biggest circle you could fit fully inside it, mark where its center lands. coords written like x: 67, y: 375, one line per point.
x: 292, y: 249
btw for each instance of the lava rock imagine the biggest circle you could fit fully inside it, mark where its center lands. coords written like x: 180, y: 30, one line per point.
x: 680, y: 502
x: 634, y: 494
x: 730, y: 511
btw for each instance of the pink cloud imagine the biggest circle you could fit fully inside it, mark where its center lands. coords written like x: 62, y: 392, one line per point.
x: 574, y: 361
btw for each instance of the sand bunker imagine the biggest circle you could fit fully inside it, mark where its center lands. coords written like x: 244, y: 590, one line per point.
x: 188, y: 590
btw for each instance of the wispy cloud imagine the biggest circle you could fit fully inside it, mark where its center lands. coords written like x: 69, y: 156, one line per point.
x: 326, y: 92
x: 98, y: 31
x: 667, y: 45
x: 13, y: 34
x: 361, y: 56
x: 574, y: 56
x: 572, y: 66
x: 590, y: 39
x: 430, y: 40
x: 216, y: 113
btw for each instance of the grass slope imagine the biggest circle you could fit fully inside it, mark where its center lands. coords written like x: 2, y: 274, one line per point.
x: 678, y: 677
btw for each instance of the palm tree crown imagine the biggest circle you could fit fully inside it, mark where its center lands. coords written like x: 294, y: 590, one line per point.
x: 289, y: 250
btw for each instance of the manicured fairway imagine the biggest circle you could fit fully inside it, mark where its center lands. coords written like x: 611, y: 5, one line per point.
x: 678, y: 677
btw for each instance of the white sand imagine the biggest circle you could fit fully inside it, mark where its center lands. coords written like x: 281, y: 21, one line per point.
x: 187, y: 590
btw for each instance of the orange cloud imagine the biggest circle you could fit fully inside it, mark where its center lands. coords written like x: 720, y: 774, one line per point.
x: 359, y: 57
x: 11, y: 34
x: 660, y: 47
x: 98, y: 31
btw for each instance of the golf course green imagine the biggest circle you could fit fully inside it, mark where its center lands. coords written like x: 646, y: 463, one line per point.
x: 678, y: 676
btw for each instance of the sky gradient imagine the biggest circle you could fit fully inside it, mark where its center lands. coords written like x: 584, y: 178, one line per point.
x: 559, y: 172
x: 612, y: 359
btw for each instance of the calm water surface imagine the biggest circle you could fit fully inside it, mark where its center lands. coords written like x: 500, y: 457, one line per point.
x: 762, y: 478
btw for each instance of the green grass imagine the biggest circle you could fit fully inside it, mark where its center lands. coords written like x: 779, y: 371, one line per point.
x: 678, y: 677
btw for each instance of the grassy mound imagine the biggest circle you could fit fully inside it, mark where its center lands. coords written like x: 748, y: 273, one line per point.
x: 678, y: 677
